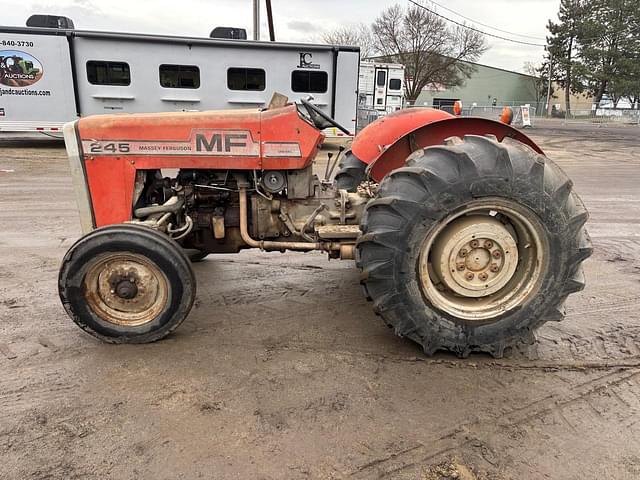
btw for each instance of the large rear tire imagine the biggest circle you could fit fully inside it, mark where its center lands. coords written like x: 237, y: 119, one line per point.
x: 473, y: 245
x: 127, y: 284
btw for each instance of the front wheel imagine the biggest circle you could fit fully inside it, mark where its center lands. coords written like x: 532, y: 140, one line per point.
x: 473, y: 245
x: 196, y: 256
x: 126, y: 284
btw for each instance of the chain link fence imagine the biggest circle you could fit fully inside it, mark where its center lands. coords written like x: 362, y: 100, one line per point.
x: 581, y: 111
x: 366, y: 115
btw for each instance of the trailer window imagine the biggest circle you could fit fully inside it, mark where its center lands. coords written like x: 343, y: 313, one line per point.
x: 179, y: 76
x: 309, y: 81
x: 381, y: 78
x: 108, y: 73
x: 246, y: 79
x: 395, y: 84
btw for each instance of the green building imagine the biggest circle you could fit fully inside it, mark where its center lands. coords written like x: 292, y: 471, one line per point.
x: 487, y: 86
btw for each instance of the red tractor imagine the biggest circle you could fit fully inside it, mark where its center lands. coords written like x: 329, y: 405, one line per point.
x: 468, y: 238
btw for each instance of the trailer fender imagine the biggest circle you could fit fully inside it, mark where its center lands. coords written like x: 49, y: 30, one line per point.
x: 385, y: 144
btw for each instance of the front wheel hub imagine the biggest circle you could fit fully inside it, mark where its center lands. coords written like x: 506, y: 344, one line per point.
x: 126, y: 289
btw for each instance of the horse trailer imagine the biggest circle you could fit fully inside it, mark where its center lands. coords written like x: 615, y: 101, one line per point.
x: 49, y: 76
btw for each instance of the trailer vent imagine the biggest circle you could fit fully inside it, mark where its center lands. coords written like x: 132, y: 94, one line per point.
x: 229, y: 32
x: 50, y: 21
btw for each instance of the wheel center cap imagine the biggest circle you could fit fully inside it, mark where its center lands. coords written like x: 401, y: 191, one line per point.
x: 126, y: 289
x: 478, y: 259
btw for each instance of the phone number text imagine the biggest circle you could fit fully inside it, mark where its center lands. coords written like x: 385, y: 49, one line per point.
x: 15, y: 43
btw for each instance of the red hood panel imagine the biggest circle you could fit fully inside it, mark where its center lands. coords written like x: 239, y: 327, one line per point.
x: 237, y: 139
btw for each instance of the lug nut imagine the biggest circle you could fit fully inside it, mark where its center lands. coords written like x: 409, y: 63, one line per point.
x: 488, y: 244
x: 483, y: 276
x: 469, y: 276
x: 497, y: 254
x: 463, y: 252
x: 494, y: 267
x: 460, y: 266
x: 474, y: 244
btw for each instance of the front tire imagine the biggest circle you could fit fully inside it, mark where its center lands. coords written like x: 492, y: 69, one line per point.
x: 196, y: 256
x: 127, y: 284
x: 351, y: 173
x: 473, y: 245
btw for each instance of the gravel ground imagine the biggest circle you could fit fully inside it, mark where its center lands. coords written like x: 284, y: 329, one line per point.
x: 283, y: 371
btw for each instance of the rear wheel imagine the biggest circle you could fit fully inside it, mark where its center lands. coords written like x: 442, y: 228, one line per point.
x: 127, y: 284
x: 473, y: 245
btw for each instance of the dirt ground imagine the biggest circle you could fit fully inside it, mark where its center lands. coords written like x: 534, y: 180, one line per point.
x: 283, y: 371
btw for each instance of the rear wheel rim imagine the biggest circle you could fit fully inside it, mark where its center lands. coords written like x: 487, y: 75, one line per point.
x: 126, y: 289
x: 484, y: 260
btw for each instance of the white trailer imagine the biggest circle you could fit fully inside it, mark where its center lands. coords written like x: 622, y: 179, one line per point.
x: 51, y: 76
x: 381, y: 86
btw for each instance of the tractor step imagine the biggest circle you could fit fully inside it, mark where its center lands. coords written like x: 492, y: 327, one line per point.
x: 338, y: 231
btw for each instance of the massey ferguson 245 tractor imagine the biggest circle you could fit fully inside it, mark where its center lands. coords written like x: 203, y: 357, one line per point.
x: 467, y: 237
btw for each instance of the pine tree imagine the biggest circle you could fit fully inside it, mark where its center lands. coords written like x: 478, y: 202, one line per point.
x: 561, y: 46
x: 609, y: 48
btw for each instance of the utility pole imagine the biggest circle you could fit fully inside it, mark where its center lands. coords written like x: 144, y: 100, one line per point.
x: 256, y: 19
x: 549, y: 85
x: 272, y: 34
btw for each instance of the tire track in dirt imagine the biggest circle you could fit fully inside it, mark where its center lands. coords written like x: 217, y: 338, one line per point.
x: 49, y: 387
x: 617, y: 346
x: 574, y: 408
x: 618, y: 342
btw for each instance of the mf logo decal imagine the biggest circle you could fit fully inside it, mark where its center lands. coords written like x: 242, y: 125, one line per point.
x: 209, y: 142
x: 19, y: 69
x: 222, y: 142
x: 306, y: 61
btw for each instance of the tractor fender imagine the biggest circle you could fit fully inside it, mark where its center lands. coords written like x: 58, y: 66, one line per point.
x: 385, y: 144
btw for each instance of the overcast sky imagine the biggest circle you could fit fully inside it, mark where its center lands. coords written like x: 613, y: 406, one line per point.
x: 295, y: 20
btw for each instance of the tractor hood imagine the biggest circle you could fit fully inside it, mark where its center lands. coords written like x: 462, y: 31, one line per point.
x: 239, y: 139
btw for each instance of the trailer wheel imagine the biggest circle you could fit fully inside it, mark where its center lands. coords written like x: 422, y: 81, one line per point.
x: 127, y: 284
x: 351, y: 172
x: 473, y: 245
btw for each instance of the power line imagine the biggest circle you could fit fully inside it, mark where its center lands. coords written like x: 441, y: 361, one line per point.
x: 484, y: 24
x: 475, y: 29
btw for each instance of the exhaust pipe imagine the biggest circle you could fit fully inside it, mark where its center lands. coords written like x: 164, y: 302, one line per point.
x: 270, y: 245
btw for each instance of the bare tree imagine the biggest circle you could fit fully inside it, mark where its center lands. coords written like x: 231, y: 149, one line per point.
x: 431, y: 51
x: 538, y: 81
x: 359, y: 35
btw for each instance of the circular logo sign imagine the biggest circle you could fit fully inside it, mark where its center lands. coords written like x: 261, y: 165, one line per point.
x: 19, y: 69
